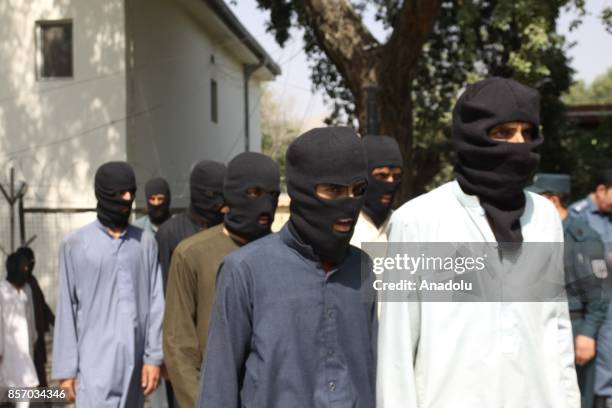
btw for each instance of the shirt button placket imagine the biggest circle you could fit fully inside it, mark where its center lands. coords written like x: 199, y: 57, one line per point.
x: 330, y: 338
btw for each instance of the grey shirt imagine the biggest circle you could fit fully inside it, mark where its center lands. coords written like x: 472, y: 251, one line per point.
x: 284, y: 333
x: 145, y: 223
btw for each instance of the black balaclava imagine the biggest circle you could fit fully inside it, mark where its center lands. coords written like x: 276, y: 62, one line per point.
x: 251, y: 170
x: 206, y: 179
x: 380, y: 151
x: 111, y: 179
x: 332, y: 155
x: 29, y: 254
x: 17, y: 271
x: 158, y: 213
x: 496, y: 171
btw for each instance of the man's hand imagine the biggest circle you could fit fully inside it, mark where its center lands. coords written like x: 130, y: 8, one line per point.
x: 69, y: 385
x: 585, y: 349
x: 150, y: 378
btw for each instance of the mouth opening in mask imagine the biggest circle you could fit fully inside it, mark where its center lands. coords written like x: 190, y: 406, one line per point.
x: 344, y: 225
x: 386, y: 199
x: 264, y: 219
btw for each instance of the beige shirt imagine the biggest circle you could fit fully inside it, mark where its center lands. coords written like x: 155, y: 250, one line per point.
x: 189, y: 302
x: 366, y: 230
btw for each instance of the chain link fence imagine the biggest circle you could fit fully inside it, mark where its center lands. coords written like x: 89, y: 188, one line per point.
x: 48, y: 227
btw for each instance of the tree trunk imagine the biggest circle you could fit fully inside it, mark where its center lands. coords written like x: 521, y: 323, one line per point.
x: 395, y: 113
x: 363, y: 61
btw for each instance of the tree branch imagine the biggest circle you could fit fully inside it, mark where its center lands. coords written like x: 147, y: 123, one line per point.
x: 344, y: 39
x: 411, y: 29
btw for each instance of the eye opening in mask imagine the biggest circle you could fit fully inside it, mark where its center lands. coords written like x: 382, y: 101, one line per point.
x: 513, y: 132
x: 389, y: 174
x: 126, y: 195
x: 157, y: 199
x: 256, y: 192
x: 330, y: 191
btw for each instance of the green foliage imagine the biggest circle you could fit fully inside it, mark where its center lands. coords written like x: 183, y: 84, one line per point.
x: 277, y: 153
x: 606, y: 16
x: 598, y: 92
x: 278, y: 129
x: 577, y: 150
x: 471, y: 39
x: 581, y: 153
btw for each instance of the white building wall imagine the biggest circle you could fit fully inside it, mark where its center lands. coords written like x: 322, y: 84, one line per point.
x: 140, y: 92
x: 169, y: 90
x: 255, y: 96
x: 55, y: 133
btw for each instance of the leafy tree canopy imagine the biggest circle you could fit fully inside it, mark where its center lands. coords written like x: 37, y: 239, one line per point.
x: 433, y: 49
x: 598, y: 92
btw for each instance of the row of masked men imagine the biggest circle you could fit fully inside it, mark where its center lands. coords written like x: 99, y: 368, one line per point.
x: 115, y: 296
x: 260, y: 319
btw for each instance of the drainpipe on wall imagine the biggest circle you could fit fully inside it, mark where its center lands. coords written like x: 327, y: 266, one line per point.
x: 248, y: 70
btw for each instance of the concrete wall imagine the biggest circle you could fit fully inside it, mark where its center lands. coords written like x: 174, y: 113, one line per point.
x: 56, y: 132
x: 140, y: 92
x: 169, y: 73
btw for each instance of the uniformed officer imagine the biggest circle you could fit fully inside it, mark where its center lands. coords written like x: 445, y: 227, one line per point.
x: 585, y: 270
x: 596, y: 210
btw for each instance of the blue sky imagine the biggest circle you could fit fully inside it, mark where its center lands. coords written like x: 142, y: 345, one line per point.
x: 591, y: 55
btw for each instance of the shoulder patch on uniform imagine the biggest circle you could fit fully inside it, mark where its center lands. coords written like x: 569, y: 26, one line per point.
x: 580, y: 205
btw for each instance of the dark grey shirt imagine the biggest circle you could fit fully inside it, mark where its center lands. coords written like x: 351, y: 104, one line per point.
x: 171, y: 233
x: 286, y: 334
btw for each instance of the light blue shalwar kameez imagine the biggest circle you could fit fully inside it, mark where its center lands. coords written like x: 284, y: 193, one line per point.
x: 109, y: 314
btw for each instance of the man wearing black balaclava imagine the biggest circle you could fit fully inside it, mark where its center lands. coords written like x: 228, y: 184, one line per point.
x: 110, y: 302
x: 205, y: 211
x: 293, y: 323
x: 17, y: 329
x: 250, y: 190
x: 384, y: 172
x: 157, y: 194
x: 159, y: 199
x: 489, y: 353
x: 43, y: 317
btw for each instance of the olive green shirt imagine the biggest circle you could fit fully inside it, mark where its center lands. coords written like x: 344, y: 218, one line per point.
x: 189, y: 301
